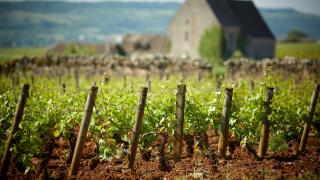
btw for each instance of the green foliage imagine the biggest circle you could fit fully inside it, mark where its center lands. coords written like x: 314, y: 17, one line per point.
x: 296, y: 36
x: 237, y: 54
x: 202, y: 110
x: 159, y: 116
x: 49, y: 112
x: 73, y: 49
x: 278, y: 143
x: 289, y: 109
x: 7, y: 110
x: 211, y: 46
x: 247, y: 114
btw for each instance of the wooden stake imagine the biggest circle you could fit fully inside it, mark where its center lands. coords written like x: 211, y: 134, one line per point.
x: 64, y: 88
x: 307, y: 126
x: 199, y: 76
x: 137, y: 127
x: 132, y: 85
x: 178, y: 133
x: 149, y: 85
x: 252, y: 86
x: 59, y: 78
x: 124, y: 82
x: 263, y: 146
x: 224, y: 134
x: 18, y: 80
x: 83, y: 131
x: 76, y: 75
x: 183, y: 78
x: 218, y: 83
x: 32, y: 79
x: 5, y: 161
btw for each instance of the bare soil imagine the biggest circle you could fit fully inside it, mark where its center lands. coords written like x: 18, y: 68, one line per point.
x: 240, y: 165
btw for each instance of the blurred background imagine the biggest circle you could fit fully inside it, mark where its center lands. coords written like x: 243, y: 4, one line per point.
x: 33, y: 28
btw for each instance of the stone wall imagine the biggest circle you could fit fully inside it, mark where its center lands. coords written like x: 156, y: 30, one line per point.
x: 98, y: 65
x: 300, y: 69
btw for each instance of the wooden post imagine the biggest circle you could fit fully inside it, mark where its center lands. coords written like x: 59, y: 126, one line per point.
x: 83, y: 130
x: 149, y: 85
x: 263, y: 146
x: 199, y: 76
x: 106, y: 78
x: 183, y: 78
x: 16, y: 120
x: 218, y: 83
x: 178, y: 133
x: 167, y: 77
x: 18, y: 80
x: 224, y: 134
x: 309, y: 119
x: 124, y: 82
x: 132, y: 85
x: 13, y: 80
x: 76, y: 75
x: 147, y: 77
x: 59, y: 78
x: 251, y: 86
x: 64, y: 88
x: 32, y: 79
x: 137, y: 127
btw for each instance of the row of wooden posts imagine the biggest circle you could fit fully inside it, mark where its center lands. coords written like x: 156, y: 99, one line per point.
x: 178, y: 133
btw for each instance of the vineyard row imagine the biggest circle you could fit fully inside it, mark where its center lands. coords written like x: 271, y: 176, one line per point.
x: 178, y: 135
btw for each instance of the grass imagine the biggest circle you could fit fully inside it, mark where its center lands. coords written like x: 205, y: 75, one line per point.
x: 7, y: 54
x: 299, y: 50
x: 73, y: 48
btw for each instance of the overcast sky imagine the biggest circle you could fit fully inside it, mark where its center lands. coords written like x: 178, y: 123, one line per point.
x: 311, y: 6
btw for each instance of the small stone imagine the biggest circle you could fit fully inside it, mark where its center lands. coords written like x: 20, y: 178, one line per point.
x: 93, y: 163
x: 118, y: 161
x: 118, y: 169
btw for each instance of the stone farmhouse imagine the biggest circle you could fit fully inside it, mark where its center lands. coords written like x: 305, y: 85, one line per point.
x: 241, y: 24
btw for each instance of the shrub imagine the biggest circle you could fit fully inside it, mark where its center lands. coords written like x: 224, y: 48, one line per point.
x: 211, y: 46
x: 296, y: 36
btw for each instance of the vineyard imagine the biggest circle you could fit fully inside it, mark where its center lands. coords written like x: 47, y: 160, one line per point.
x: 113, y: 126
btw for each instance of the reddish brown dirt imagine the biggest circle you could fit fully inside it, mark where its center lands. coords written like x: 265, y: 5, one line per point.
x: 242, y: 165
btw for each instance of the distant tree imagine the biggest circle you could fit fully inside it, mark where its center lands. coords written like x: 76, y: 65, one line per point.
x: 120, y: 50
x: 73, y: 49
x: 296, y: 36
x: 237, y: 54
x: 211, y: 46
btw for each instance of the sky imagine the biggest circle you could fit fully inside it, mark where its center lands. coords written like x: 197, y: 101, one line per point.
x: 308, y: 6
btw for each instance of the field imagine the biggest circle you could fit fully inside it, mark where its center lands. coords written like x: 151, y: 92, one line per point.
x: 299, y: 50
x: 47, y: 135
x: 7, y: 54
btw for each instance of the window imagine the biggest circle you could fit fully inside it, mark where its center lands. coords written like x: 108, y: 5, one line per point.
x: 186, y: 36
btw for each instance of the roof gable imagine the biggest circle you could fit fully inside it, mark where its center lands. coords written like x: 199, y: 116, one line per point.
x: 223, y: 13
x: 250, y: 19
